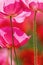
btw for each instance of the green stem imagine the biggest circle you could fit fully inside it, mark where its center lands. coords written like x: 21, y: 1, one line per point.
x: 13, y: 46
x: 35, y: 39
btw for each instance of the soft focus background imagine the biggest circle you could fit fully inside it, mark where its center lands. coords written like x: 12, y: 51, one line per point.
x: 21, y: 51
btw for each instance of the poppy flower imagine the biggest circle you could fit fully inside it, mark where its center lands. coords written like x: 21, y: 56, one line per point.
x: 27, y: 57
x: 20, y: 38
x: 15, y: 10
x: 5, y: 57
x: 34, y: 4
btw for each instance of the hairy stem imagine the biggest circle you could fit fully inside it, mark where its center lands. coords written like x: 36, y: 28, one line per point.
x: 13, y: 46
x: 35, y: 39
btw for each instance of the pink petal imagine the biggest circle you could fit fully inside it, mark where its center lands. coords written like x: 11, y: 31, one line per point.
x: 12, y: 8
x: 2, y: 15
x: 7, y: 2
x: 36, y: 6
x: 20, y: 38
x: 40, y: 6
x: 20, y: 18
x: 26, y: 2
x: 2, y: 42
x: 1, y: 5
x: 33, y: 6
x: 5, y: 57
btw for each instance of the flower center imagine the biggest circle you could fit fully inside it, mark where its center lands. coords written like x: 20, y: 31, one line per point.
x: 12, y: 15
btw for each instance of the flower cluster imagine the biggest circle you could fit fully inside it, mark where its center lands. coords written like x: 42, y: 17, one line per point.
x: 16, y: 20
